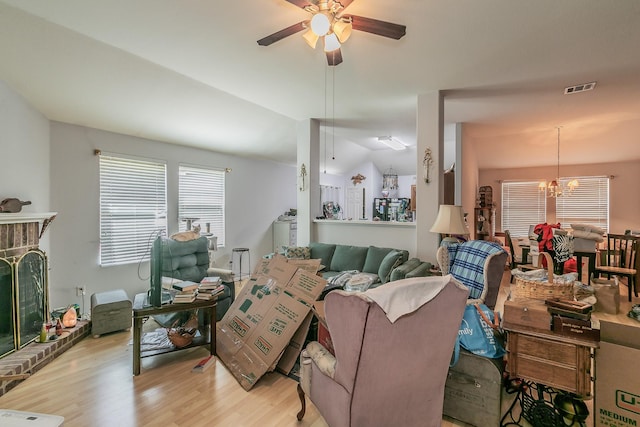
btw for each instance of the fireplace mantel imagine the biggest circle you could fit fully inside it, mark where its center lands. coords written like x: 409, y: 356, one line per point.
x: 22, y: 217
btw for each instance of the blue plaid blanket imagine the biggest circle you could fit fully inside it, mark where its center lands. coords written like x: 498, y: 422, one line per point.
x: 466, y: 263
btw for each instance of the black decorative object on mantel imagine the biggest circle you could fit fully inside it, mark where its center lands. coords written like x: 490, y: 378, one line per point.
x: 12, y: 205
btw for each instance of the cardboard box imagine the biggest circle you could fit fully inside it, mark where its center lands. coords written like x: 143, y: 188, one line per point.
x: 584, y: 245
x: 290, y: 355
x: 310, y: 265
x: 617, y: 386
x: 261, y: 322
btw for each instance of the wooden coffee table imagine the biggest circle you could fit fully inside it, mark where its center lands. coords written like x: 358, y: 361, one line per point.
x: 141, y: 309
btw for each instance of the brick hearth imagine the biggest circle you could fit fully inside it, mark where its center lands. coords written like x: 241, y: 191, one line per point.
x: 34, y: 356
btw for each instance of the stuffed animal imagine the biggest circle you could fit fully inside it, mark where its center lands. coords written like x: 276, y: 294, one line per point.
x: 185, y: 236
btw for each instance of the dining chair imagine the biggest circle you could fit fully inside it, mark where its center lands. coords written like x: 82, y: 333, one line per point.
x: 620, y: 260
x: 515, y: 259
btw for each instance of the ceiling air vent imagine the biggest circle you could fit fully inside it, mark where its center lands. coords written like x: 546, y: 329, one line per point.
x: 579, y: 88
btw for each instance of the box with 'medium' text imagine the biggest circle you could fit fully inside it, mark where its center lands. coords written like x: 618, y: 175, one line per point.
x: 617, y: 384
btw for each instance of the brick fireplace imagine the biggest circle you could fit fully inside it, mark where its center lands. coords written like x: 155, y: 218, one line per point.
x: 24, y: 299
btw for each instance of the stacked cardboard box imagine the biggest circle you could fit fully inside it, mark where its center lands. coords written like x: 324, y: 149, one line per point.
x: 260, y: 324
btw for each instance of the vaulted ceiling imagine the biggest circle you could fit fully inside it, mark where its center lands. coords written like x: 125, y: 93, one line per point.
x: 191, y: 72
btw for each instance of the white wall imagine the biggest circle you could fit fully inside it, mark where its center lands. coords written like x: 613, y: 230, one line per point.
x: 24, y: 141
x: 255, y: 196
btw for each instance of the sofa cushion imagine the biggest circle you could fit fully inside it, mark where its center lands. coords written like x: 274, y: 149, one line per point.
x: 401, y: 271
x: 423, y: 270
x: 348, y: 257
x: 323, y: 252
x: 297, y: 252
x: 389, y: 262
x: 374, y: 257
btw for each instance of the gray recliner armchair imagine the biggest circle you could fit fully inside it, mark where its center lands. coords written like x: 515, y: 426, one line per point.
x: 189, y: 260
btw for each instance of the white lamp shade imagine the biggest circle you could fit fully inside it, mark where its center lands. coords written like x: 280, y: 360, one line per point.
x: 331, y: 42
x: 320, y: 24
x: 450, y: 220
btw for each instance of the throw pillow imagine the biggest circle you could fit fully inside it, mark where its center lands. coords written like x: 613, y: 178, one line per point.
x: 389, y: 262
x: 322, y: 251
x: 297, y: 252
x: 374, y: 258
x: 348, y: 257
x: 401, y: 271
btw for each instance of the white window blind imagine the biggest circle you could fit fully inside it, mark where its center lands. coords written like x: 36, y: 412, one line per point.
x: 133, y: 208
x: 586, y: 204
x: 523, y: 204
x: 201, y: 196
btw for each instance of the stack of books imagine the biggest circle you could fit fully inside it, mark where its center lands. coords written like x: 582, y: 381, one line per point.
x: 210, y: 281
x: 186, y: 292
x: 573, y: 318
x: 210, y: 288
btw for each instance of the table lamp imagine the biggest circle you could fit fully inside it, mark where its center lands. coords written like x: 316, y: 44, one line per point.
x: 450, y: 222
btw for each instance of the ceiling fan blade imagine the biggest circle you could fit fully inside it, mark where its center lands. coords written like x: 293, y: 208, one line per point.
x: 301, y: 3
x: 334, y: 57
x: 381, y: 28
x: 279, y: 35
x: 344, y: 3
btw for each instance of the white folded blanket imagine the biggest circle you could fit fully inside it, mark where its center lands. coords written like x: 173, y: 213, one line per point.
x: 407, y: 295
x: 590, y: 228
x: 588, y: 235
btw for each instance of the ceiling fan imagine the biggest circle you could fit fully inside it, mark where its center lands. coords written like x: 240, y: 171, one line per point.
x: 329, y: 23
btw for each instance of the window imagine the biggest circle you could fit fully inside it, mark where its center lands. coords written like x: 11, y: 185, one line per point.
x: 201, y: 196
x: 523, y: 204
x: 587, y: 204
x: 133, y: 208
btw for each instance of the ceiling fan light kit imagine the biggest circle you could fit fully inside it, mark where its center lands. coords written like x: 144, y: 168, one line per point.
x: 331, y: 42
x: 320, y: 24
x: 311, y: 38
x: 342, y: 28
x: 328, y: 22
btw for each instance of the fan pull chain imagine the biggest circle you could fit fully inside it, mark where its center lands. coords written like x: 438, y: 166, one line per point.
x: 325, y: 118
x: 333, y: 115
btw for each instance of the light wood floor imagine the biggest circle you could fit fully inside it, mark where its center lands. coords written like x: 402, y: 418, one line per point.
x: 91, y: 385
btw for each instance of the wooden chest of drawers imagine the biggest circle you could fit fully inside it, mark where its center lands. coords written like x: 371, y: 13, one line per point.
x: 536, y: 353
x: 550, y: 360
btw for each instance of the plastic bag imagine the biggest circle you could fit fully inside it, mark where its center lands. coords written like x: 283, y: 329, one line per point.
x: 479, y: 333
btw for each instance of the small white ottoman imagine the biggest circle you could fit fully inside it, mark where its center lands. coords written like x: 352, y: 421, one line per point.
x: 110, y: 311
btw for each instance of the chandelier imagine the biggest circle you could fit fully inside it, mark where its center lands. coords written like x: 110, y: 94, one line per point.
x: 555, y: 188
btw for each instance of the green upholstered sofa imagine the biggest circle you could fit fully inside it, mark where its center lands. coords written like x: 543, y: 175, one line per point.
x: 388, y: 264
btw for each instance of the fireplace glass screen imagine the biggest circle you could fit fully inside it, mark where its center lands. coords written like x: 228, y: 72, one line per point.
x: 31, y: 286
x: 7, y: 340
